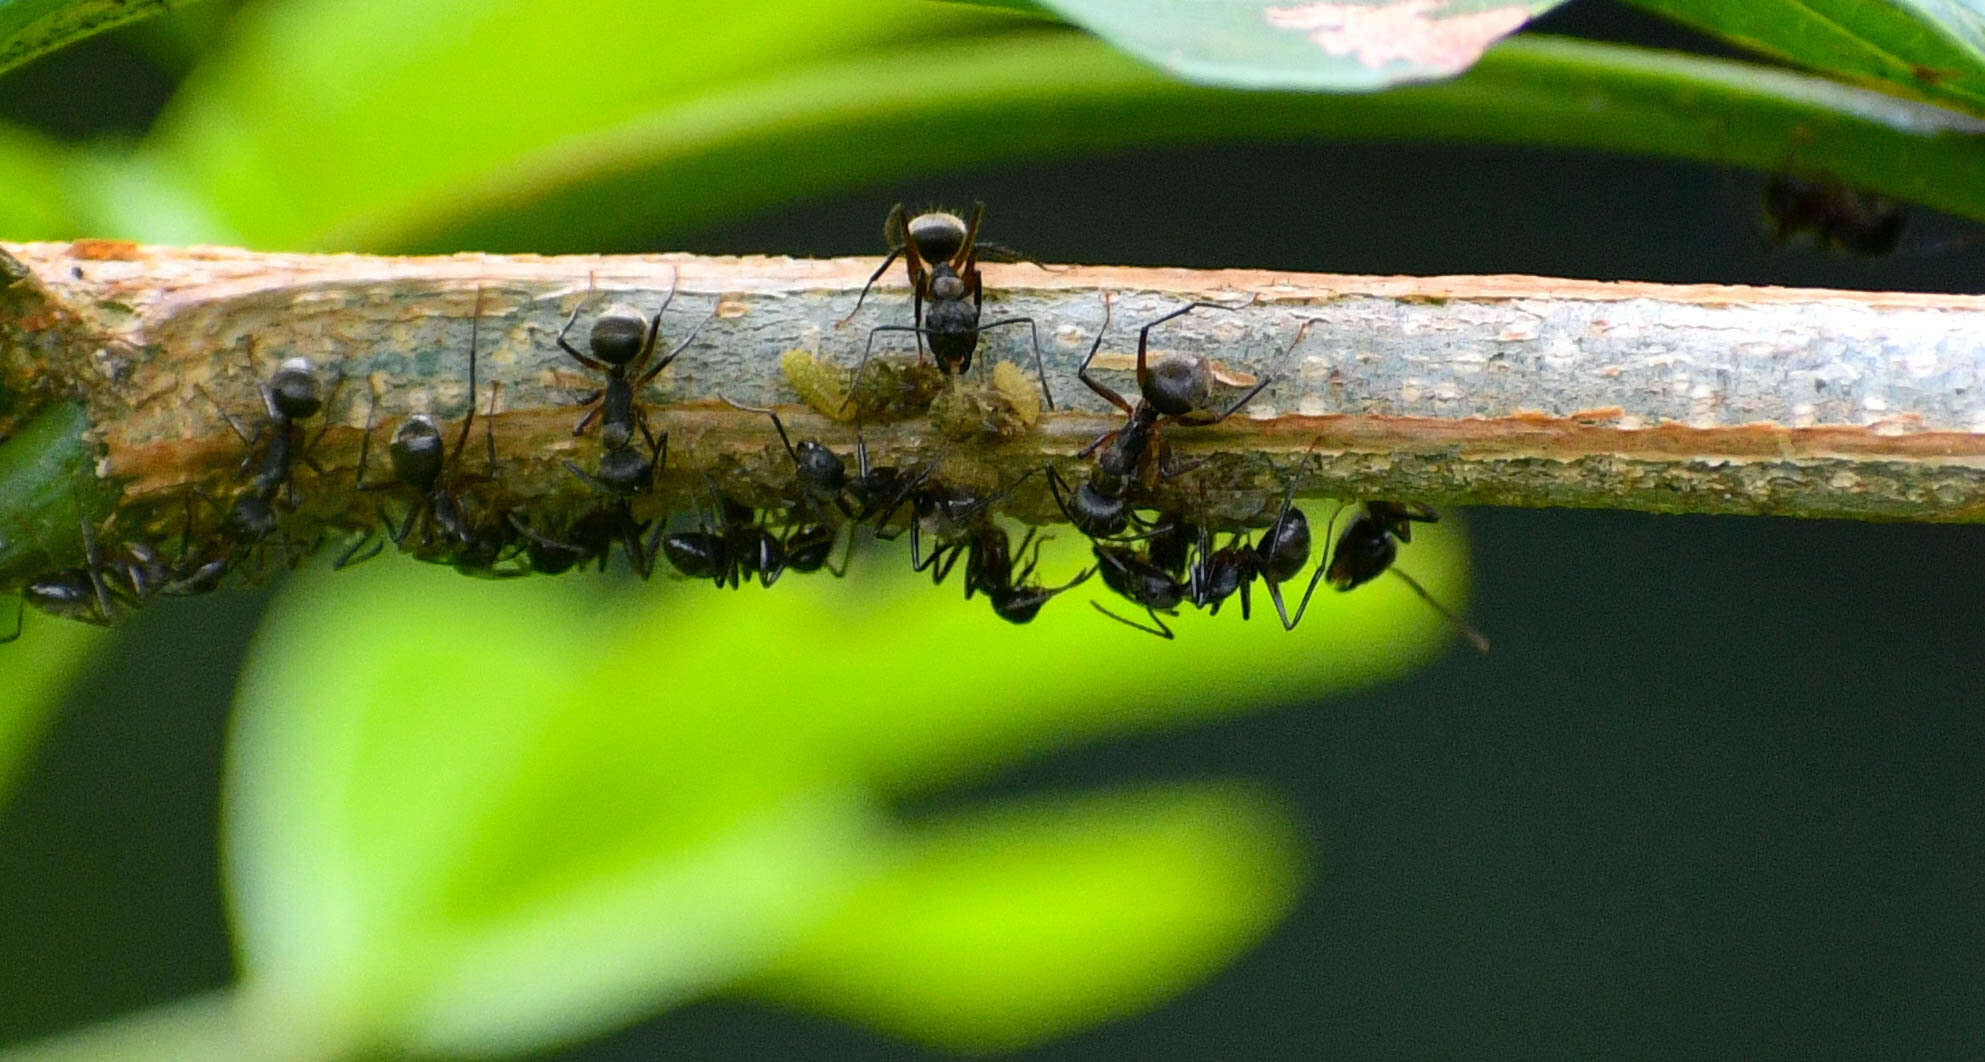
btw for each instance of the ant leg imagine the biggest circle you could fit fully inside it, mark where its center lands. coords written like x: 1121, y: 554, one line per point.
x: 365, y: 442
x: 873, y: 277
x: 352, y: 558
x: 489, y: 425
x: 655, y: 322
x: 239, y: 431
x: 1082, y: 371
x: 656, y: 369
x: 591, y: 363
x: 1144, y: 333
x: 469, y: 418
x: 1160, y: 630
x: 854, y: 385
x: 592, y: 415
x: 1040, y: 365
x: 1474, y: 637
x: 777, y: 424
x: 1322, y: 566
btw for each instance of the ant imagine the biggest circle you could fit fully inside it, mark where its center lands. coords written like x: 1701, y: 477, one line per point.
x: 290, y: 395
x: 621, y: 354
x: 420, y: 458
x: 730, y: 552
x: 989, y: 555
x: 1836, y: 216
x: 1143, y: 581
x: 940, y: 253
x: 1174, y: 391
x: 1367, y: 549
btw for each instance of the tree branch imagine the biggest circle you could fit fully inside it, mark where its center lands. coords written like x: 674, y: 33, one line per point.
x: 1500, y: 390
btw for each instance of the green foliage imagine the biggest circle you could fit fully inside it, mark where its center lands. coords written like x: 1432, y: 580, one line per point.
x: 35, y: 27
x: 1934, y: 49
x: 482, y: 817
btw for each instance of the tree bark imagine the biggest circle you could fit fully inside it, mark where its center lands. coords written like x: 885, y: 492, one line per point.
x: 1496, y: 390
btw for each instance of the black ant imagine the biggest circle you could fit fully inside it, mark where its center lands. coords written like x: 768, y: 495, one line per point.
x: 729, y: 552
x: 1174, y: 391
x: 1143, y: 581
x: 1367, y: 549
x: 940, y: 252
x: 622, y: 345
x: 420, y: 459
x: 989, y: 555
x: 1835, y: 216
x: 290, y: 395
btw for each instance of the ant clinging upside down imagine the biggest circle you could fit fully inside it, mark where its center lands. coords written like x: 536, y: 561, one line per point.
x: 940, y: 253
x: 1367, y: 549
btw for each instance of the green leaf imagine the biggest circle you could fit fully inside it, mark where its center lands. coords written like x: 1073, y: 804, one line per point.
x: 48, y: 485
x: 34, y: 672
x: 1934, y: 49
x: 277, y: 145
x: 29, y: 28
x: 36, y: 206
x: 1007, y: 927
x: 1318, y: 45
x: 568, y: 807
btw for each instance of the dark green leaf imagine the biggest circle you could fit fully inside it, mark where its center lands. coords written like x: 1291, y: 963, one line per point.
x: 32, y: 27
x: 1934, y: 49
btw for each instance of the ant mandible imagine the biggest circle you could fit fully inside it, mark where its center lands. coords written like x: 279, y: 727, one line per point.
x: 940, y: 253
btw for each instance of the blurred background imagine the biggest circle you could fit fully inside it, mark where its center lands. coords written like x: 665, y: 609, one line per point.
x: 1717, y: 790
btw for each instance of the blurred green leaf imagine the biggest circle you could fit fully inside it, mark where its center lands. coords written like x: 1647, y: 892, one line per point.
x: 29, y: 28
x: 358, y: 126
x: 472, y: 817
x: 200, y: 1027
x: 37, y: 205
x: 1321, y: 45
x: 34, y: 672
x: 1006, y: 927
x: 1934, y: 49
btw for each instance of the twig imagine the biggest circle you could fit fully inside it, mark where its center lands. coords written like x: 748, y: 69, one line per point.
x: 1502, y: 390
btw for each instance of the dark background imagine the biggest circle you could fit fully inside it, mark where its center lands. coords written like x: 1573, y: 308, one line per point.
x: 1716, y: 792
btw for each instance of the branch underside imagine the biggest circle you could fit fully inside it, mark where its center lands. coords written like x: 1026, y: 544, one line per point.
x: 1478, y: 390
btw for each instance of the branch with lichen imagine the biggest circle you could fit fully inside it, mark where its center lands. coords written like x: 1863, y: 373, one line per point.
x: 119, y: 365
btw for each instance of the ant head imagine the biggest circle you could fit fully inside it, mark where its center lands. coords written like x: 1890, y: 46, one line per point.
x: 626, y: 471
x: 294, y: 391
x: 417, y: 452
x: 937, y: 236
x: 618, y: 335
x: 1177, y: 386
x: 821, y: 471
